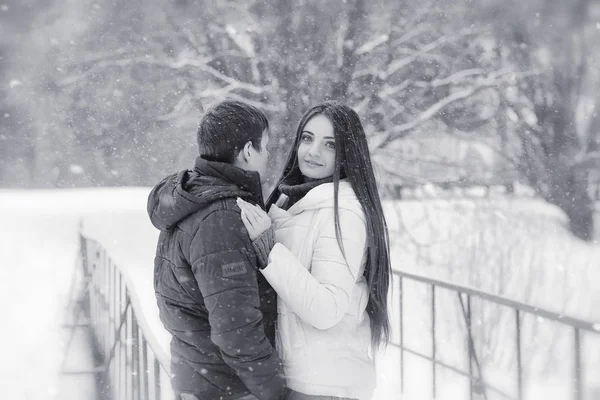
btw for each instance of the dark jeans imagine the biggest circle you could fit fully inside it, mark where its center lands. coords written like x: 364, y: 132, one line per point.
x: 301, y: 396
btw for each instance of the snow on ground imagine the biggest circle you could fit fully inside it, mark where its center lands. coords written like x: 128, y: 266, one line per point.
x: 38, y: 243
x: 516, y: 247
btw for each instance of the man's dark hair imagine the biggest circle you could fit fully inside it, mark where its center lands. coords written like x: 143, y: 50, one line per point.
x: 226, y: 127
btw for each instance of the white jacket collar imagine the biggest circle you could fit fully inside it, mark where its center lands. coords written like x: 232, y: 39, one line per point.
x: 322, y: 196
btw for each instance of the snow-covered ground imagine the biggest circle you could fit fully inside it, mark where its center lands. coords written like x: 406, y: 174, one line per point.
x: 38, y: 243
x: 518, y: 248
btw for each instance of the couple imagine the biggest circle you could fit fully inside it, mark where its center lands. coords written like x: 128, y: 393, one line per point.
x: 312, y: 275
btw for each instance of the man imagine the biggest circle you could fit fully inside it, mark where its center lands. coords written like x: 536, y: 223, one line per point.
x: 219, y: 310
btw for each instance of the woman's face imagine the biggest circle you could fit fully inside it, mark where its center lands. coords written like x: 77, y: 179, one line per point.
x: 316, y: 151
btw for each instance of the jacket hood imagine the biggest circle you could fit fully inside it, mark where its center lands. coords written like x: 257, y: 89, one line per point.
x: 181, y: 194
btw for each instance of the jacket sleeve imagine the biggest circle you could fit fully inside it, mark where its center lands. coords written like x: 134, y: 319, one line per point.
x: 224, y: 265
x: 321, y: 297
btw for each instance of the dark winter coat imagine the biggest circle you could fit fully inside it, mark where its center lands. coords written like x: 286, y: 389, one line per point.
x: 220, y: 311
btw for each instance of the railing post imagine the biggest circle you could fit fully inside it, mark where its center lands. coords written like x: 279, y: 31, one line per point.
x: 401, y: 334
x: 144, y: 388
x: 119, y: 343
x: 128, y: 351
x: 433, y: 355
x: 113, y: 315
x: 519, y: 361
x: 157, y: 394
x: 470, y: 347
x: 103, y: 303
x: 578, y: 367
x: 93, y: 294
x: 135, y: 357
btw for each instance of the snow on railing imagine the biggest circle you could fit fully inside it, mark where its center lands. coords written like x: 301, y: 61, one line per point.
x: 133, y: 364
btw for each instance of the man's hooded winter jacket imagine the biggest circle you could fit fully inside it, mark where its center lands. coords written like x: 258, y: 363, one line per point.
x: 220, y: 311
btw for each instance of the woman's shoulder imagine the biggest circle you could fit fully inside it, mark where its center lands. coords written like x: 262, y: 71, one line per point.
x: 350, y: 211
x: 347, y: 200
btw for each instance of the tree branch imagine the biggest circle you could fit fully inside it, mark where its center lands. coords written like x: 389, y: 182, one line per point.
x: 454, y: 79
x: 398, y: 64
x: 494, y: 79
x: 372, y: 44
x: 180, y: 63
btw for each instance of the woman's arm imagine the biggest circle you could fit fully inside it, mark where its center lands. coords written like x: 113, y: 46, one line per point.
x: 321, y: 297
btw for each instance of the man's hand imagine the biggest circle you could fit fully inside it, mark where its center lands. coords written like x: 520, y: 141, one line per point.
x: 254, y: 218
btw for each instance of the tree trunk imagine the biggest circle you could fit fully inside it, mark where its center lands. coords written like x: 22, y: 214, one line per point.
x: 569, y: 192
x: 349, y: 57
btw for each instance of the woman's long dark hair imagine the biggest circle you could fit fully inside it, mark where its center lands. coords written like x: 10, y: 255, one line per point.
x: 353, y: 162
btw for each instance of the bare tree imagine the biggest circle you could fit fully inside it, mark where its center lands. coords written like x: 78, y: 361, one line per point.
x: 549, y: 37
x: 138, y: 78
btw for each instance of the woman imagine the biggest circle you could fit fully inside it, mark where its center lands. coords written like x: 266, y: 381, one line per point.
x: 330, y: 266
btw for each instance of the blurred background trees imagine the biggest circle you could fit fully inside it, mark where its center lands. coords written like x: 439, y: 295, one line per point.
x: 110, y: 93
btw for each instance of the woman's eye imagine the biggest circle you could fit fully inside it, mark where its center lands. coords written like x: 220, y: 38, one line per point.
x: 306, y: 138
x: 331, y: 145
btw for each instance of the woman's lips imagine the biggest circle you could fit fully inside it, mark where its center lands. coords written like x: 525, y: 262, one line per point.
x: 312, y: 163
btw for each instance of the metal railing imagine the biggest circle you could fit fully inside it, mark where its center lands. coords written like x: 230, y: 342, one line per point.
x: 133, y: 365
x: 514, y: 318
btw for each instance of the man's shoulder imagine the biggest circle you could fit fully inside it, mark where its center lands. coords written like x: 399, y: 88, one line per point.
x: 219, y: 213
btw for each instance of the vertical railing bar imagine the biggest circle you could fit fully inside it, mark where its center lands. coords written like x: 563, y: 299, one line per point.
x: 99, y: 301
x: 123, y: 347
x: 152, y: 375
x: 135, y: 356
x: 119, y: 342
x: 98, y: 333
x: 107, y: 302
x: 98, y: 287
x: 112, y: 311
x: 101, y: 267
x: 578, y: 367
x: 519, y: 359
x: 433, y: 349
x: 115, y: 312
x: 145, y: 368
x: 470, y: 350
x: 157, y: 394
x: 105, y: 267
x: 93, y: 296
x: 128, y: 351
x: 401, y: 334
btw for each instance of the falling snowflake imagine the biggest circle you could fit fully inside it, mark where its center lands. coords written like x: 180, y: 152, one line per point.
x: 76, y: 169
x: 14, y: 83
